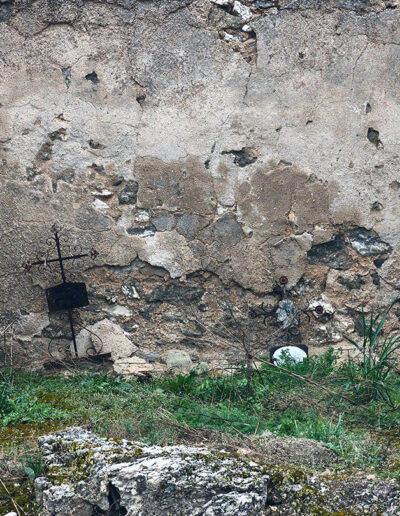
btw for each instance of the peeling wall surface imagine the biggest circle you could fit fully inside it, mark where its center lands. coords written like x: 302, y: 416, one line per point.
x: 205, y: 148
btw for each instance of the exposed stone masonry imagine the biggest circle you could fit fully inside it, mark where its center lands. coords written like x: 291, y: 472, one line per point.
x: 204, y: 148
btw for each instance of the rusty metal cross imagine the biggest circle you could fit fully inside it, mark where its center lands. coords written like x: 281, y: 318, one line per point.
x: 67, y: 295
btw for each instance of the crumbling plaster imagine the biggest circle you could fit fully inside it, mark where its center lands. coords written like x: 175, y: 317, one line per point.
x: 194, y: 146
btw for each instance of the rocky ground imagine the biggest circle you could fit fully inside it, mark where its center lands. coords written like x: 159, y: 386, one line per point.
x: 87, y: 475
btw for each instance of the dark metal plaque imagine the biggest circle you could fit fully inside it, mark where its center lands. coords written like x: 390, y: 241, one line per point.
x: 67, y: 296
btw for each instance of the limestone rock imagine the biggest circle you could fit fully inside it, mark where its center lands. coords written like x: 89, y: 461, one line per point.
x: 147, y: 480
x: 178, y: 360
x: 136, y: 366
x: 104, y: 337
x: 86, y: 475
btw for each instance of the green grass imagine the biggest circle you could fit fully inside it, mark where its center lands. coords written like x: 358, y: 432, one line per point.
x: 155, y: 411
x: 370, y: 377
x: 197, y: 407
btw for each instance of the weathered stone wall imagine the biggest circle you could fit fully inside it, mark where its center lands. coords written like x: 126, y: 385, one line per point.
x: 204, y: 148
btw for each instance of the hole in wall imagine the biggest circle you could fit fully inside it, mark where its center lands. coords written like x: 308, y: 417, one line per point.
x: 140, y: 99
x: 92, y: 77
x: 373, y: 137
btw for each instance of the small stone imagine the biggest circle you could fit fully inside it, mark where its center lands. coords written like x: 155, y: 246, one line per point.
x: 242, y: 10
x: 6, y: 11
x: 142, y: 216
x: 104, y: 337
x: 367, y: 243
x: 97, y: 168
x: 31, y: 325
x: 377, y: 206
x: 92, y: 77
x: 118, y: 181
x: 179, y: 360
x: 96, y: 145
x: 128, y: 194
x: 147, y: 231
x: 233, y: 37
x: 163, y: 221
x: 221, y: 19
x: 193, y: 329
x: 373, y: 137
x: 88, y: 218
x: 151, y: 357
x: 243, y: 157
x: 119, y: 311
x: 100, y: 205
x: 351, y: 283
x: 176, y: 294
x: 202, y: 368
x: 286, y: 313
x: 227, y: 230
x: 331, y: 254
x: 135, y: 366
x: 188, y: 224
x: 352, y: 5
x: 102, y: 193
x: 264, y: 5
x: 130, y: 291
